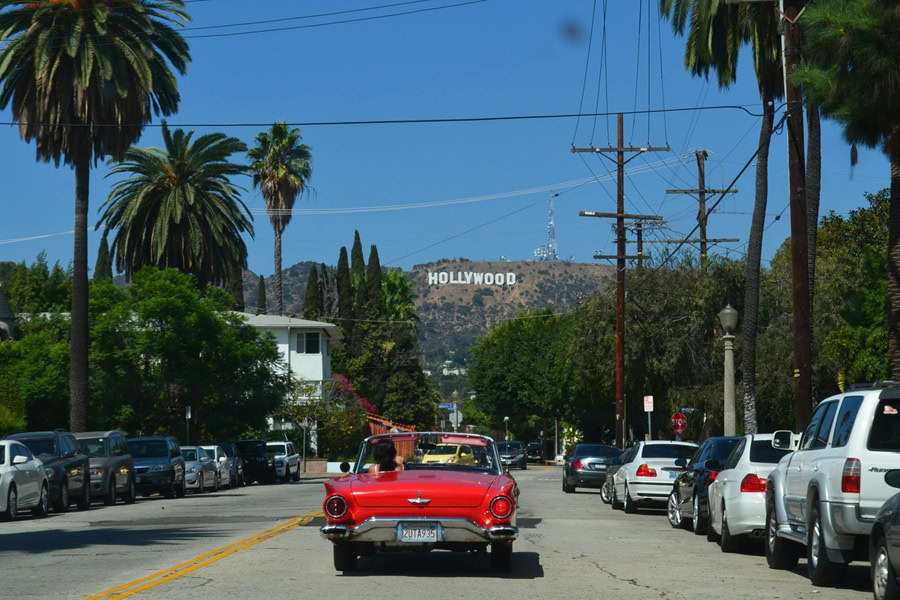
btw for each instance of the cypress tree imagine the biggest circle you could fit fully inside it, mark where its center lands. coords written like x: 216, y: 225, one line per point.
x: 357, y: 264
x: 311, y: 307
x: 345, y: 293
x: 236, y: 288
x: 326, y: 292
x: 373, y: 283
x: 261, y: 296
x: 103, y: 267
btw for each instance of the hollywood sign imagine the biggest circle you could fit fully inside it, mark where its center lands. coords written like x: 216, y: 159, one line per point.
x: 470, y: 278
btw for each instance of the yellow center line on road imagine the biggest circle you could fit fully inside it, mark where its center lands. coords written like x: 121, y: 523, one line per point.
x: 198, y: 562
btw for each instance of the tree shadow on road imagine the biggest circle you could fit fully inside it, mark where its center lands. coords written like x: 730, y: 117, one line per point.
x: 54, y: 540
x: 526, y: 565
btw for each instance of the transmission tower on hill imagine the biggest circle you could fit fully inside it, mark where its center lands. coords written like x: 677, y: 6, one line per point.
x: 550, y: 251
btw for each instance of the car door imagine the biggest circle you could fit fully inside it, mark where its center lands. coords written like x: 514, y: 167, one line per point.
x: 622, y: 473
x: 688, y: 479
x: 117, y: 452
x: 794, y: 490
x: 24, y: 474
x: 814, y: 456
x: 74, y: 468
x: 723, y: 487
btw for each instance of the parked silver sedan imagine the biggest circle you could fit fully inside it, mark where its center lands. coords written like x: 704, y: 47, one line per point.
x: 223, y: 464
x: 23, y: 481
x: 200, y: 472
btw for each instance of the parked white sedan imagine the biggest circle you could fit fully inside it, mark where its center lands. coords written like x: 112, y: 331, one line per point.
x: 737, y: 497
x: 648, y: 473
x: 23, y: 481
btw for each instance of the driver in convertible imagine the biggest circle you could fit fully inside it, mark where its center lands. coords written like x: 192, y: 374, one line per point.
x: 385, y: 458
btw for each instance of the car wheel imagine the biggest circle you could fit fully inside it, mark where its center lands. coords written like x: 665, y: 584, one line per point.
x: 822, y: 571
x: 218, y: 485
x: 201, y: 489
x: 61, y: 504
x: 501, y: 556
x: 884, y: 580
x: 615, y: 499
x: 629, y: 506
x: 180, y: 489
x: 566, y: 487
x: 780, y: 553
x: 170, y: 491
x: 43, y: 506
x: 296, y: 476
x: 12, y: 504
x: 673, y: 511
x: 698, y: 523
x: 710, y: 531
x: 131, y: 495
x: 604, y: 494
x: 84, y: 501
x: 109, y: 498
x: 727, y: 542
x: 524, y: 466
x: 345, y: 557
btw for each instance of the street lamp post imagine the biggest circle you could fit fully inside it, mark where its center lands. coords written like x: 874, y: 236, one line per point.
x: 506, y: 424
x: 728, y: 317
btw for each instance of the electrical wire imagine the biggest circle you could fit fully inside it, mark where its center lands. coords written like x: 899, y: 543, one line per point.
x: 587, y: 63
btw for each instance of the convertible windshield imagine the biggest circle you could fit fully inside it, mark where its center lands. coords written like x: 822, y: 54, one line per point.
x: 432, y: 451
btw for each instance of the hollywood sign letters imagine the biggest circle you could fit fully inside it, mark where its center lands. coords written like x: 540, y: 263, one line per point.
x: 470, y: 278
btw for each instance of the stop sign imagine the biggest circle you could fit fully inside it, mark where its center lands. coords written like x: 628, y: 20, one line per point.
x: 679, y: 422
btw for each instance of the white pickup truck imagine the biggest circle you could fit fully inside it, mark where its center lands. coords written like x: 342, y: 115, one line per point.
x: 825, y: 495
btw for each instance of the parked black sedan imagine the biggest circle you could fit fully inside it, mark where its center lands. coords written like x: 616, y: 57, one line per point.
x: 587, y: 466
x: 112, y: 468
x: 886, y: 535
x: 259, y: 463
x: 691, y: 490
x: 68, y: 470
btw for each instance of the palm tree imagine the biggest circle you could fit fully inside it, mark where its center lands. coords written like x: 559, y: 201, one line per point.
x: 714, y: 38
x: 178, y: 208
x: 398, y: 296
x: 82, y: 83
x: 281, y: 169
x: 853, y: 71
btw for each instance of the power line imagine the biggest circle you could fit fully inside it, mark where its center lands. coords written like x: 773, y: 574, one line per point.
x: 587, y: 62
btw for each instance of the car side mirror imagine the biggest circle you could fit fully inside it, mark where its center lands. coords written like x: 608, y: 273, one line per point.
x: 892, y: 478
x: 222, y: 459
x: 18, y: 460
x: 783, y: 440
x: 345, y: 467
x: 681, y: 462
x: 712, y: 465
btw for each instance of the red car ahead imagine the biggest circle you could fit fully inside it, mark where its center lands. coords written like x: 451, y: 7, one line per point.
x: 422, y: 491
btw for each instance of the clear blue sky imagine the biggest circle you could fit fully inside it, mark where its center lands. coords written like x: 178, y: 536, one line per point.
x: 498, y: 57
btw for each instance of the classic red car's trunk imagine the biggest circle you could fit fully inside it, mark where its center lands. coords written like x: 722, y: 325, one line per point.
x: 445, y: 489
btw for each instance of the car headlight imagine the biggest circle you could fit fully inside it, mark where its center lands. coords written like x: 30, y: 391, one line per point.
x: 96, y: 472
x: 193, y: 470
x: 159, y: 467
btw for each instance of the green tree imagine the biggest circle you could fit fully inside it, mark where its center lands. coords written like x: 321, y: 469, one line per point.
x: 37, y: 287
x: 344, y: 293
x: 178, y: 208
x: 81, y: 101
x: 103, y: 266
x: 357, y: 266
x: 410, y: 400
x: 398, y: 296
x: 312, y: 308
x: 235, y: 285
x: 261, y: 302
x: 281, y: 168
x: 373, y: 284
x: 853, y: 71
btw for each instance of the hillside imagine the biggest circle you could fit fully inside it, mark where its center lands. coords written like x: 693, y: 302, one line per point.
x: 453, y: 314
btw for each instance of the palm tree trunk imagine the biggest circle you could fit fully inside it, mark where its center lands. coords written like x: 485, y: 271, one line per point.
x: 279, y: 300
x: 813, y: 188
x: 78, y: 350
x: 893, y: 285
x: 751, y: 270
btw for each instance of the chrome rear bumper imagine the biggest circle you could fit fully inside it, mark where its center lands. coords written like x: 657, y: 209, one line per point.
x: 383, y: 529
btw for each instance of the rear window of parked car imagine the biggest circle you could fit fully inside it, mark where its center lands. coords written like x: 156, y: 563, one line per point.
x: 2, y: 455
x: 846, y: 419
x: 40, y: 446
x: 667, y: 451
x: 251, y: 447
x: 885, y: 433
x: 761, y: 451
x: 277, y: 448
x: 722, y: 449
x: 93, y: 447
x: 595, y: 450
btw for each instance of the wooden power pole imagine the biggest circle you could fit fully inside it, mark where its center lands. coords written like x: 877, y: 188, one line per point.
x: 620, y: 257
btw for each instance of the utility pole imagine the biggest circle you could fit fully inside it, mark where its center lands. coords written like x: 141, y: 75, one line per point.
x: 700, y: 194
x: 620, y: 217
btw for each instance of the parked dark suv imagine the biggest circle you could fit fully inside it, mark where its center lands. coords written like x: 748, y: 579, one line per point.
x: 112, y: 468
x: 535, y: 452
x: 237, y: 463
x: 67, y: 469
x: 259, y: 463
x: 690, y: 493
x: 158, y: 465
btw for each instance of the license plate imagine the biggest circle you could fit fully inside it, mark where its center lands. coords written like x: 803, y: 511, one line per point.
x: 673, y: 474
x: 419, y: 533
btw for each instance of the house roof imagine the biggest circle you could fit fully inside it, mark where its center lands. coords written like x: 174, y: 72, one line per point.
x: 275, y: 321
x: 6, y: 312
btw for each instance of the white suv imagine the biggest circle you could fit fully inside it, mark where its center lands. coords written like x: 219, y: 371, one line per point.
x: 826, y: 494
x: 287, y: 460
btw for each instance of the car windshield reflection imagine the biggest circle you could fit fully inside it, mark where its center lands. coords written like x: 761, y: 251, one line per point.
x: 420, y: 451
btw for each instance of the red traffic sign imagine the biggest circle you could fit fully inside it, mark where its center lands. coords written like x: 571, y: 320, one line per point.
x: 679, y: 422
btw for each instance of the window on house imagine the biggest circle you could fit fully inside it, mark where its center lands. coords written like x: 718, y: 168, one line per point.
x: 308, y: 343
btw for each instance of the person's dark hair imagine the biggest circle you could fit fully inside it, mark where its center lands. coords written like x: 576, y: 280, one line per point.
x: 385, y: 454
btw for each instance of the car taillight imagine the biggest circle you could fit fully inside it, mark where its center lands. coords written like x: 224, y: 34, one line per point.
x: 578, y: 465
x: 713, y: 475
x: 501, y: 507
x: 335, y: 507
x: 850, y: 476
x: 645, y: 471
x: 752, y: 483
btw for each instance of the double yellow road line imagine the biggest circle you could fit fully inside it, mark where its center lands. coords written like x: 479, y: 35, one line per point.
x: 204, y: 560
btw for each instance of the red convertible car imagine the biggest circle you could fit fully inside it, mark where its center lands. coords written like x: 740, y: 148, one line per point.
x: 401, y: 497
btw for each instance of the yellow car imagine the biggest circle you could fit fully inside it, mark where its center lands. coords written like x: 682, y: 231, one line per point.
x: 449, y: 454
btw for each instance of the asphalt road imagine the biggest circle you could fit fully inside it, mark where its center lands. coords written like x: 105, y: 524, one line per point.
x: 263, y: 542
